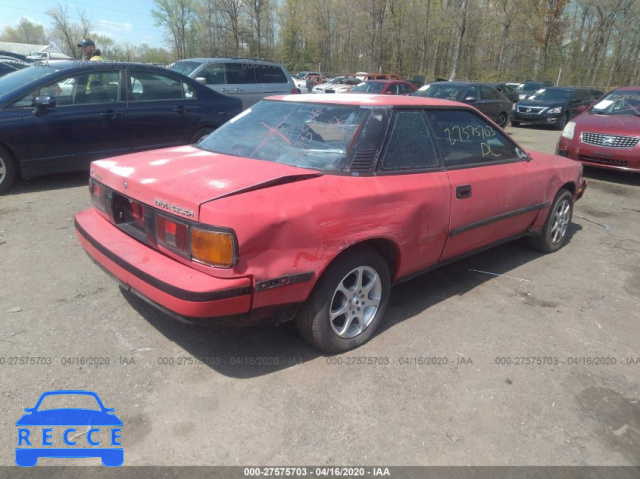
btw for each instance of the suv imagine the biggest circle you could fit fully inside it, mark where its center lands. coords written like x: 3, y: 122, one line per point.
x: 250, y: 80
x: 551, y: 106
x: 363, y: 76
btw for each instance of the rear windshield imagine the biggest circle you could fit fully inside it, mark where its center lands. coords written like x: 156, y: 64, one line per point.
x: 186, y: 67
x: 442, y: 90
x: 307, y: 135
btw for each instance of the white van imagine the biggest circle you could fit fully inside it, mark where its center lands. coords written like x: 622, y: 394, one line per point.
x: 248, y: 79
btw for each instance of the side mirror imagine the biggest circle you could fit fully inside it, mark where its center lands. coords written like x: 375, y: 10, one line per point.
x: 42, y: 103
x: 201, y: 80
x: 581, y: 108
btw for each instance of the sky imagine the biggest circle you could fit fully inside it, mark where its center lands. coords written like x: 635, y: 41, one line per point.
x: 123, y: 20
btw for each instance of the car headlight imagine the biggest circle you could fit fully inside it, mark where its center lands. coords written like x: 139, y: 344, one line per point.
x: 513, y: 107
x: 555, y: 110
x: 569, y: 130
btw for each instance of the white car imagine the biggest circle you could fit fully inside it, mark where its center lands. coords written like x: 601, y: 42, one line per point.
x: 337, y: 85
x: 301, y: 80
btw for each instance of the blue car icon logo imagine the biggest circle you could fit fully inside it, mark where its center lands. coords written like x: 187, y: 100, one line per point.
x: 58, y: 432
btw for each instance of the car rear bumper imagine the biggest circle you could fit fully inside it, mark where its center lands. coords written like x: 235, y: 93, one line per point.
x: 164, y: 282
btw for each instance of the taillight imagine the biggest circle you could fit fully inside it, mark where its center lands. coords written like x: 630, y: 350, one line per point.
x: 98, y: 195
x: 172, y: 235
x: 295, y: 90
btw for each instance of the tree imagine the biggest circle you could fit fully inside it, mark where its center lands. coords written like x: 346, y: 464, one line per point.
x: 178, y: 17
x: 25, y: 32
x: 65, y: 34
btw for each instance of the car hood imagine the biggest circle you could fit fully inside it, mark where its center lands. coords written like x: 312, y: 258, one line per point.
x: 541, y: 103
x: 181, y: 179
x: 627, y: 125
x: 69, y: 417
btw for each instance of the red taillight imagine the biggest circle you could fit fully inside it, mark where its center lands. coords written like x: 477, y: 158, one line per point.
x: 98, y: 195
x: 172, y: 235
x: 295, y: 90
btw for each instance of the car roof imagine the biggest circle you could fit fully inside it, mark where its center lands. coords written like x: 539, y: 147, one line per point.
x: 226, y: 59
x: 454, y: 83
x: 628, y: 88
x: 356, y: 99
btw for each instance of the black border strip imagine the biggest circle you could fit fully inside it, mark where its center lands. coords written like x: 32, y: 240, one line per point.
x: 167, y: 288
x: 521, y: 211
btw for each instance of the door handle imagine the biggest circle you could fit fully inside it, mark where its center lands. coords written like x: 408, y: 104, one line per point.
x: 111, y: 114
x: 238, y: 90
x: 179, y: 109
x: 463, y: 191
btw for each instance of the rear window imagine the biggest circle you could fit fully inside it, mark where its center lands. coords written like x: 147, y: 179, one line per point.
x: 272, y: 74
x: 299, y: 134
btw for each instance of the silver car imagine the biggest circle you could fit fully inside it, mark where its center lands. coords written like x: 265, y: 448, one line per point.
x: 250, y: 80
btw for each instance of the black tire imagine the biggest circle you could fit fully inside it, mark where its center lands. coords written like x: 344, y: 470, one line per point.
x: 554, y: 232
x: 357, y: 311
x: 562, y: 122
x: 501, y: 121
x: 7, y: 171
x: 199, y: 135
x: 515, y: 123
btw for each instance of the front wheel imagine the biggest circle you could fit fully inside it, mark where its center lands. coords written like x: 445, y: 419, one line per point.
x: 501, y: 121
x: 562, y: 122
x: 7, y: 171
x: 554, y: 231
x: 348, y: 302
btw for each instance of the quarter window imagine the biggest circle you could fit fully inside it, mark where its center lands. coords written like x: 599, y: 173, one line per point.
x: 410, y: 144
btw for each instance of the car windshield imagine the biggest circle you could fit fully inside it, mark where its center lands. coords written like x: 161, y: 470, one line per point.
x: 368, y: 87
x: 529, y: 86
x: 306, y: 135
x: 185, y: 66
x: 546, y: 95
x: 25, y: 76
x: 619, y: 103
x: 441, y: 90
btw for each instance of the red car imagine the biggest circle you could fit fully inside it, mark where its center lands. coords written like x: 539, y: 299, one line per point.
x: 309, y: 208
x: 385, y: 87
x: 607, y: 134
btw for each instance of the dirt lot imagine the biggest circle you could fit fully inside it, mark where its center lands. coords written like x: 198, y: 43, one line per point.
x: 574, y: 312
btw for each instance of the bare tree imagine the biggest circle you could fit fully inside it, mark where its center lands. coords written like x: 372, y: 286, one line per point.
x: 25, y: 32
x: 66, y: 34
x: 177, y: 16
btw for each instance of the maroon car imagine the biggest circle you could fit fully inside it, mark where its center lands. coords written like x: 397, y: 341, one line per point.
x: 607, y: 135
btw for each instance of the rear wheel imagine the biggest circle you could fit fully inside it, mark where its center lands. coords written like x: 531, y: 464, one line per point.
x: 348, y: 302
x: 554, y: 231
x: 502, y: 120
x: 7, y: 171
x: 199, y: 135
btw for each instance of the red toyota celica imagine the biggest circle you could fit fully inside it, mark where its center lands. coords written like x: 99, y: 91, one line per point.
x: 309, y: 208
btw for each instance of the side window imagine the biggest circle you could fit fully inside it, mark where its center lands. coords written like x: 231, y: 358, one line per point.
x: 240, y: 73
x: 405, y: 89
x: 272, y: 74
x: 213, y: 74
x: 149, y: 86
x: 488, y: 93
x: 410, y: 144
x: 472, y: 91
x: 465, y: 139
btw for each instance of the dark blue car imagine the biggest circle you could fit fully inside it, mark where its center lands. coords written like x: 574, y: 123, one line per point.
x: 59, y: 116
x: 96, y: 420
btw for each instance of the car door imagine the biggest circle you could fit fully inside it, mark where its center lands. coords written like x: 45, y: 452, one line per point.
x: 496, y: 191
x: 89, y: 121
x: 413, y: 178
x: 161, y: 114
